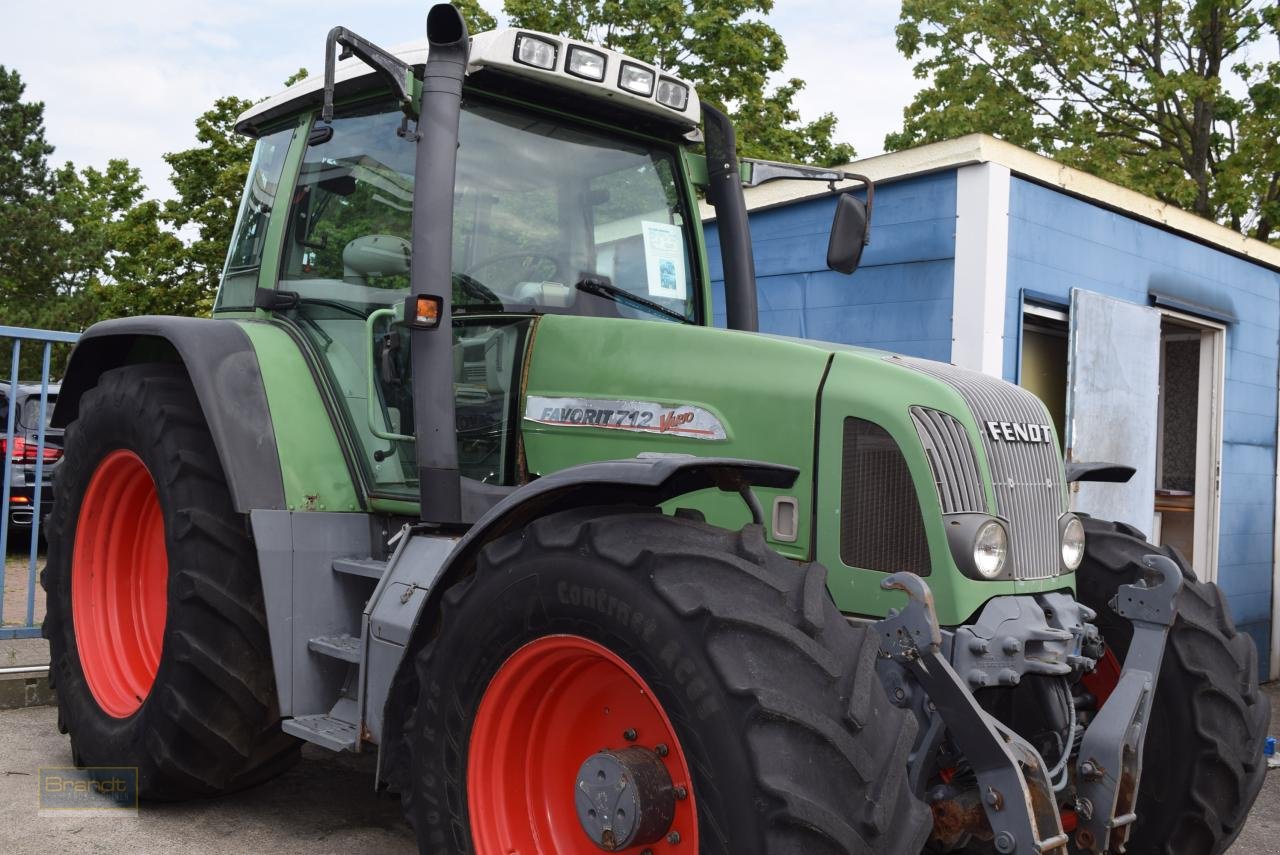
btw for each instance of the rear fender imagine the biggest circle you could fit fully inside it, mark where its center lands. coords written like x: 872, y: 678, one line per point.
x: 223, y: 367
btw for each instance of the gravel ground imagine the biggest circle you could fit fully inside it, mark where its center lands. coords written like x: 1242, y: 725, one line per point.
x: 325, y: 804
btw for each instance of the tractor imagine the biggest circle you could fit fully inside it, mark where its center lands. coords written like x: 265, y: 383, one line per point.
x: 462, y: 474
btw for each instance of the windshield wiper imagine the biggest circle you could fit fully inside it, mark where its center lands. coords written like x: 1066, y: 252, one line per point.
x: 600, y: 286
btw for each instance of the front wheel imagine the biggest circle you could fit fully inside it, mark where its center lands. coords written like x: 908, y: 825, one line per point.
x: 1202, y: 764
x: 626, y: 681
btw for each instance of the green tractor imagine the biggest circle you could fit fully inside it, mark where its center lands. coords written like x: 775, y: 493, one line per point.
x: 461, y: 474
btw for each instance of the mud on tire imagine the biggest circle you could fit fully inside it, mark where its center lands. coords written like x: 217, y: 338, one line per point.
x: 210, y: 722
x: 1202, y: 760
x: 793, y: 745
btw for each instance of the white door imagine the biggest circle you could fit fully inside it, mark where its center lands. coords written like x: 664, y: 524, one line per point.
x: 1113, y: 378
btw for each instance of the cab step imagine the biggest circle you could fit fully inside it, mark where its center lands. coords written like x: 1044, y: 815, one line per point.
x: 370, y: 568
x: 344, y: 647
x: 324, y: 730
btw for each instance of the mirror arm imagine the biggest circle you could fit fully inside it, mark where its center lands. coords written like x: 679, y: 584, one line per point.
x: 397, y: 74
x: 765, y: 171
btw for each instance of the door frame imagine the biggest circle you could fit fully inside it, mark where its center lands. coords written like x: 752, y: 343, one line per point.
x: 1212, y: 391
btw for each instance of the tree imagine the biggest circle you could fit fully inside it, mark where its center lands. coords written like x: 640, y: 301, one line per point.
x: 724, y: 47
x: 30, y: 231
x: 209, y: 179
x: 478, y: 20
x: 1131, y: 90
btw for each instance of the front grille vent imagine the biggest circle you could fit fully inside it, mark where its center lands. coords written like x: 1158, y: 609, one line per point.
x: 1030, y: 491
x: 881, y: 526
x: 955, y: 468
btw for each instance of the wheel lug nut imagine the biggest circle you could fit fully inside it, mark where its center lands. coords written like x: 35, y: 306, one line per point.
x: 681, y: 794
x: 661, y: 750
x: 673, y: 838
x: 630, y: 734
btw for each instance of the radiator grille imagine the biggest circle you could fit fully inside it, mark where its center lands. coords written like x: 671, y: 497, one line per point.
x: 955, y: 469
x: 1029, y: 488
x: 881, y: 527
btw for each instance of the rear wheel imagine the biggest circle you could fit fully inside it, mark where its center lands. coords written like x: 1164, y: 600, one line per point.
x: 155, y: 620
x: 619, y: 680
x: 1202, y: 760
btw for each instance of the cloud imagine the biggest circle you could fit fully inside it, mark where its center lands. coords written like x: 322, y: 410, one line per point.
x: 850, y: 65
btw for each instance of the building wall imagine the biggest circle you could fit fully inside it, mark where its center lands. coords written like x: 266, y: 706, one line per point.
x: 900, y: 299
x: 1057, y: 243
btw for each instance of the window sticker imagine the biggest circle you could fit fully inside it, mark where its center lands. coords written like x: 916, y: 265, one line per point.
x: 664, y: 260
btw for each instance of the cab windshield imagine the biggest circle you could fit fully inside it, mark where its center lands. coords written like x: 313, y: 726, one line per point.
x: 548, y: 216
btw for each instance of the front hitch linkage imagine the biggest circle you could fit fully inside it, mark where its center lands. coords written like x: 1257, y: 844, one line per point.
x: 1016, y: 793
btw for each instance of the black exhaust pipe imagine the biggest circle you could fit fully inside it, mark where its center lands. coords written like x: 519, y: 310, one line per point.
x: 725, y: 195
x: 431, y: 266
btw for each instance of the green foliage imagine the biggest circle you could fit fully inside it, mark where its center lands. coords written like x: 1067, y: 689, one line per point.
x: 209, y: 179
x: 478, y: 20
x: 83, y: 245
x: 724, y: 47
x: 30, y: 232
x: 1133, y: 92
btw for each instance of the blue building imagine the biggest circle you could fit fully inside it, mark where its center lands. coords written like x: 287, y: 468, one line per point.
x: 1152, y: 335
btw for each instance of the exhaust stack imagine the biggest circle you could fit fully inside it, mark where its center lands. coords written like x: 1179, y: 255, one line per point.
x: 431, y: 266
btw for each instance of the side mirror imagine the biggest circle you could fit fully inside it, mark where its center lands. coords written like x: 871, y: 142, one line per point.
x: 850, y: 232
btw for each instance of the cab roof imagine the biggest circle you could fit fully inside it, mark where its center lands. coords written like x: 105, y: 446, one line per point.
x: 493, y: 51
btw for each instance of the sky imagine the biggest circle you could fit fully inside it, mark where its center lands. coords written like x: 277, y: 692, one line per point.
x: 128, y: 78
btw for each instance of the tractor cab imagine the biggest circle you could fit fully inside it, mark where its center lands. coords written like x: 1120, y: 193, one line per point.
x: 590, y: 213
x: 575, y: 192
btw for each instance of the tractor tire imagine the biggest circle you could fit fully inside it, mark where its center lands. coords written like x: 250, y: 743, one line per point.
x: 156, y: 629
x: 621, y: 628
x: 1202, y: 763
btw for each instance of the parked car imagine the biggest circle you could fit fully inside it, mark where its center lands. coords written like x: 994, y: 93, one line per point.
x: 23, y: 447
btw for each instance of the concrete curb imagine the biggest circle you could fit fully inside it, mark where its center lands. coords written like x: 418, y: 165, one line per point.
x: 24, y: 687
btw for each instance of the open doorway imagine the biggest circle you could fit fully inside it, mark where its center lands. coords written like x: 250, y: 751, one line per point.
x: 1042, y: 367
x: 1188, y: 439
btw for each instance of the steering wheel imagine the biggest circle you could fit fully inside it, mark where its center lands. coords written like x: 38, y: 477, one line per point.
x: 508, y: 256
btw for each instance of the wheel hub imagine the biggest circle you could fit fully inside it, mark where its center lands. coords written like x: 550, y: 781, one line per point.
x: 624, y: 798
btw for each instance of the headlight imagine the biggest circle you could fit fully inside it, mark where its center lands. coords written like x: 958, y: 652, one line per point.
x: 990, y: 549
x: 1072, y: 543
x: 673, y: 94
x: 585, y: 63
x: 636, y: 79
x: 540, y: 53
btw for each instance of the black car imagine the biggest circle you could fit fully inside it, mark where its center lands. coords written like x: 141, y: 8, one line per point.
x: 22, y: 447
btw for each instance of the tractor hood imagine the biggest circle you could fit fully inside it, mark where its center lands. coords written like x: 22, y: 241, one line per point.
x: 601, y: 389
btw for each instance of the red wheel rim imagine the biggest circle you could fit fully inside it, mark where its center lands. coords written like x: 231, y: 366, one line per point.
x: 119, y: 583
x: 553, y: 704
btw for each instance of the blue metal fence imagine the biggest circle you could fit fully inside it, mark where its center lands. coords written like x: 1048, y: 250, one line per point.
x: 14, y: 441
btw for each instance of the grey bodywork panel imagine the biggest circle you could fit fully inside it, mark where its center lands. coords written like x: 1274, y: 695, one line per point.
x: 391, y: 614
x: 1113, y: 386
x: 223, y: 367
x: 305, y: 599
